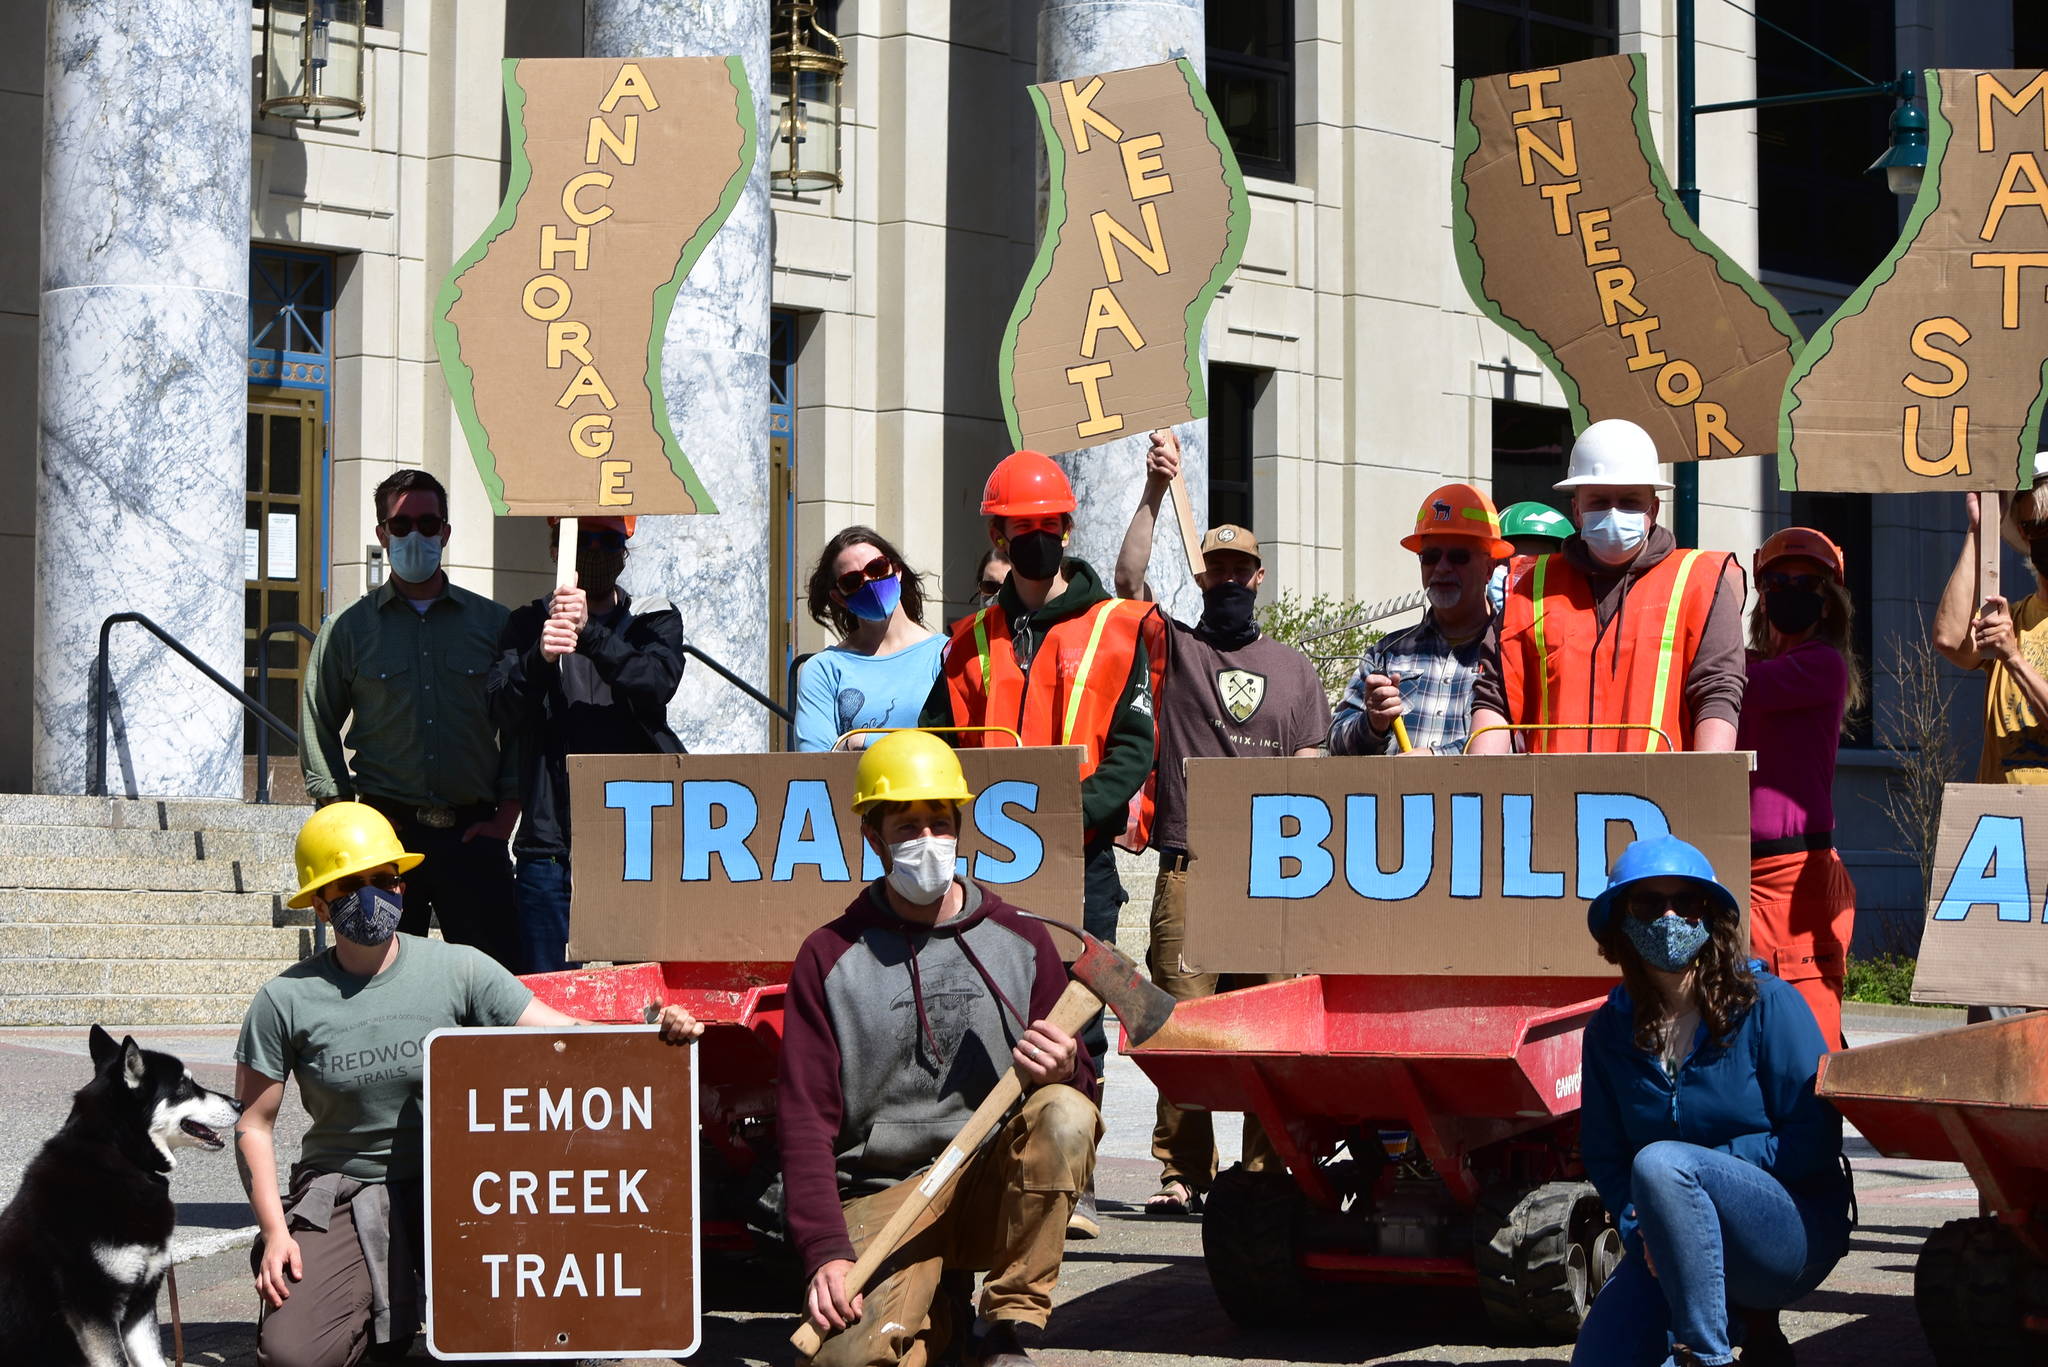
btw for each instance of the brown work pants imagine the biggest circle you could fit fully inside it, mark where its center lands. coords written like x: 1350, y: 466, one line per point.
x: 1007, y: 1214
x: 326, y: 1321
x: 1184, y: 1142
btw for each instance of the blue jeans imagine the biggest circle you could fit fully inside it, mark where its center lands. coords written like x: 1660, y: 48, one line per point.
x: 541, y: 885
x: 1723, y: 1233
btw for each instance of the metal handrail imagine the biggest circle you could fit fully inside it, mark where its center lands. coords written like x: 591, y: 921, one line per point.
x: 263, y: 691
x: 102, y: 681
x: 741, y: 684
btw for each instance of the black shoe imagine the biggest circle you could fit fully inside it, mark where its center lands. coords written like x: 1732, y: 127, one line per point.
x: 1004, y: 1343
x: 1763, y: 1343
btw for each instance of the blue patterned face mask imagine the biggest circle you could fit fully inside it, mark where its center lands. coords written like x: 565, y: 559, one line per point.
x: 1668, y: 943
x: 368, y: 916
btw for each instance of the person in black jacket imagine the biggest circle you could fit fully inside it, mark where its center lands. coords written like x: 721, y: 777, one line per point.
x: 578, y: 673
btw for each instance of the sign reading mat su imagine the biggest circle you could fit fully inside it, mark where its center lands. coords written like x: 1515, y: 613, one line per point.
x: 736, y: 858
x: 1477, y: 865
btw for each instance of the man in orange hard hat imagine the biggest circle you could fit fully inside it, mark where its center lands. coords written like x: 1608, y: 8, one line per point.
x: 1060, y: 661
x: 1422, y: 675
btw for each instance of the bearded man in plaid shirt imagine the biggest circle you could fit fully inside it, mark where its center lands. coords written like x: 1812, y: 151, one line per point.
x: 1424, y: 674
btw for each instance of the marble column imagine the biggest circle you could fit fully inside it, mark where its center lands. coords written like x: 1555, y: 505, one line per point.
x: 715, y: 372
x: 1079, y: 38
x: 144, y: 334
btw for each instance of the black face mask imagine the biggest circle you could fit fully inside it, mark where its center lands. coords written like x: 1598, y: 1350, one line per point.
x: 1792, y: 610
x: 1037, y: 555
x: 2037, y: 551
x: 1227, y: 616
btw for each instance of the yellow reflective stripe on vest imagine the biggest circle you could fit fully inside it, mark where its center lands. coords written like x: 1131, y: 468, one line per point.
x: 1081, y: 675
x: 1667, y: 645
x: 1542, y: 654
x: 981, y: 649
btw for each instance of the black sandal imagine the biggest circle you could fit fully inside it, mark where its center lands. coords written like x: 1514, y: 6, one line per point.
x: 1174, y: 1197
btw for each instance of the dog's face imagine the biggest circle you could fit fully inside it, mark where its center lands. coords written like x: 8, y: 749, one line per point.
x: 176, y: 1110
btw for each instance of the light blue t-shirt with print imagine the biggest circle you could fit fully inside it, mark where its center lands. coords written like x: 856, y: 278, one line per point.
x: 840, y: 690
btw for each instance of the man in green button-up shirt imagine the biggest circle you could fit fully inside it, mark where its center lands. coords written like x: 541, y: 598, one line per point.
x: 404, y: 668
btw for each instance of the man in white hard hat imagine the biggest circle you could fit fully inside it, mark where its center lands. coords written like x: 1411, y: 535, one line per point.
x: 1621, y: 631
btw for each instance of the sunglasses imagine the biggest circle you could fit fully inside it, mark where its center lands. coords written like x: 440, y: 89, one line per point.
x: 1460, y: 556
x: 991, y: 586
x: 1690, y: 904
x: 602, y: 539
x: 383, y: 882
x: 402, y: 524
x: 849, y: 583
x: 1778, y: 579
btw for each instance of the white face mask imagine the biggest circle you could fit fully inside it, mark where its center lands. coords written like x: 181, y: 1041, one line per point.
x: 1614, y: 535
x: 922, y: 869
x: 1497, y: 587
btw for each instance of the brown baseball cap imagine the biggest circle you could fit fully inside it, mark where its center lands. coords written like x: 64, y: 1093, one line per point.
x: 1230, y: 537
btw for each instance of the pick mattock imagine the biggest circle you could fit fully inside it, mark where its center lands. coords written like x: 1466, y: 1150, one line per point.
x: 1102, y: 975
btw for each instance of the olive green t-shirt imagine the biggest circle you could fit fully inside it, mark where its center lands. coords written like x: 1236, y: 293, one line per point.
x: 356, y: 1046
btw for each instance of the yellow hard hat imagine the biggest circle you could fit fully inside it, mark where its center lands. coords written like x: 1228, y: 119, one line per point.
x: 340, y: 839
x: 909, y: 766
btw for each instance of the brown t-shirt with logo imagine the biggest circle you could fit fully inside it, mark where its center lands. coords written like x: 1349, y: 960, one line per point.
x: 1262, y: 700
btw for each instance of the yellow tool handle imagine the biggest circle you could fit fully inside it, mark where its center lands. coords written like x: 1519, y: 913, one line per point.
x: 1401, y: 735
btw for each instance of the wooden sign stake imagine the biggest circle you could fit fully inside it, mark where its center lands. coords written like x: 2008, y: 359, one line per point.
x: 1190, y: 535
x: 565, y: 553
x: 1990, y: 541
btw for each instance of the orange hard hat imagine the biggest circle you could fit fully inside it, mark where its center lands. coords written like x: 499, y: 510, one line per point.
x: 624, y: 524
x: 1459, y: 510
x: 1801, y: 541
x: 1026, y: 484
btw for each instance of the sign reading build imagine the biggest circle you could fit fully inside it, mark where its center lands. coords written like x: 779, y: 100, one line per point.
x: 1930, y: 376
x: 561, y: 1194
x: 736, y: 858
x: 1986, y: 937
x: 1477, y: 865
x: 1568, y: 235
x: 550, y: 327
x: 1145, y: 218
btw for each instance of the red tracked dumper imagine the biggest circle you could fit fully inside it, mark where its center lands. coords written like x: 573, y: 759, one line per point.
x: 1430, y: 1131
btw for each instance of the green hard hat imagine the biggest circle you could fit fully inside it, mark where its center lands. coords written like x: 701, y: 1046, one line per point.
x: 1534, y: 519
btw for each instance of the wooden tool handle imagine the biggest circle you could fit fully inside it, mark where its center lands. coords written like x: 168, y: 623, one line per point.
x: 565, y: 553
x: 1190, y: 535
x: 1075, y: 1008
x: 1991, y: 511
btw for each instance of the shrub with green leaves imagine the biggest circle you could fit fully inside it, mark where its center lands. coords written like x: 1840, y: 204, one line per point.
x: 1881, y: 979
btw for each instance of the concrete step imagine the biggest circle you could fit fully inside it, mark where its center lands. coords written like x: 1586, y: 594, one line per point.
x: 146, y: 874
x: 100, y: 842
x: 59, y: 907
x: 161, y: 814
x: 141, y: 1009
x: 143, y: 977
x: 276, y: 946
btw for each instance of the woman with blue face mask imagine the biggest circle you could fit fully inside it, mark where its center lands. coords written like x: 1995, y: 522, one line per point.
x: 881, y: 672
x: 1699, y: 1125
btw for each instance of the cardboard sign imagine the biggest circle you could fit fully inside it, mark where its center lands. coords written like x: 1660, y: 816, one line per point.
x: 1569, y: 236
x: 1145, y: 218
x: 561, y: 1190
x: 736, y: 858
x: 1930, y: 376
x: 1985, y: 942
x: 1472, y: 865
x: 550, y: 327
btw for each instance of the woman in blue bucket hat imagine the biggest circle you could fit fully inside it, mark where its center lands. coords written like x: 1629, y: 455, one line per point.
x: 1699, y: 1124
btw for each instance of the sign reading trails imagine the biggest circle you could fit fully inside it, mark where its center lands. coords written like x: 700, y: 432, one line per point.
x: 1569, y: 236
x: 1986, y: 938
x: 1469, y: 865
x: 550, y: 327
x: 561, y: 1194
x: 1931, y: 375
x: 1146, y: 217
x: 736, y: 858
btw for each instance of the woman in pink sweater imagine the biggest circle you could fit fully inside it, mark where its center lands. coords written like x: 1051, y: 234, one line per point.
x: 1803, y: 682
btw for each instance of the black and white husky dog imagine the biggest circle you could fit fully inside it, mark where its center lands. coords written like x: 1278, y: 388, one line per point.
x: 84, y: 1244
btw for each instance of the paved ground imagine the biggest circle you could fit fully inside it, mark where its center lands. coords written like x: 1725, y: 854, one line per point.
x: 1137, y: 1297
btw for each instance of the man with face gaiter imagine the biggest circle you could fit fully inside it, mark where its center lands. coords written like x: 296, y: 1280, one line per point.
x: 1231, y: 692
x: 1059, y: 661
x: 581, y: 672
x: 1620, y: 632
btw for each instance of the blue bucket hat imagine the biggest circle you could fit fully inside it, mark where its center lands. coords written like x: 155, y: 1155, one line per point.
x: 1661, y: 856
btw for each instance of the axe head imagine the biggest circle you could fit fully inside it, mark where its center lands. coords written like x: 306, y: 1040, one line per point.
x: 1123, y: 987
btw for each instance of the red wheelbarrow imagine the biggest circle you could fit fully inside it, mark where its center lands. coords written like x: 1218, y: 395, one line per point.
x: 741, y: 1007
x: 1975, y: 1095
x: 1430, y: 1131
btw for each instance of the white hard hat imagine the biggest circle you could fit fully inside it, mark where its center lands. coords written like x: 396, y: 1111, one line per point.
x: 1614, y: 451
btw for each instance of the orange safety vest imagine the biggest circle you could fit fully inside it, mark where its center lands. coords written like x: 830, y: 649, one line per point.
x: 1557, y: 668
x: 1069, y: 694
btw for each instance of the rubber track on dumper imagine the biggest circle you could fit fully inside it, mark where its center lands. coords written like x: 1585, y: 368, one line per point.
x: 1250, y: 1233
x: 1522, y: 1243
x: 1974, y: 1287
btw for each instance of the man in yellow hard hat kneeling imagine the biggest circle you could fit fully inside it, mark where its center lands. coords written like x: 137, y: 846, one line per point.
x: 901, y: 1017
